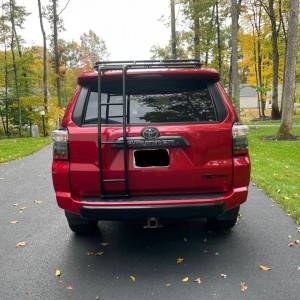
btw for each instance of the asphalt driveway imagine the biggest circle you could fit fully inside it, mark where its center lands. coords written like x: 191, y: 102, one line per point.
x: 125, y: 261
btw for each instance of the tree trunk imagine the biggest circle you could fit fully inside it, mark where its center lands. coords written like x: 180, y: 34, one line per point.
x: 285, y: 43
x: 290, y: 74
x: 275, y: 57
x: 173, y: 30
x: 256, y: 68
x: 196, y: 31
x: 219, y: 40
x: 208, y: 41
x: 45, y: 77
x: 6, y: 90
x: 12, y: 46
x: 234, y: 55
x: 55, y: 41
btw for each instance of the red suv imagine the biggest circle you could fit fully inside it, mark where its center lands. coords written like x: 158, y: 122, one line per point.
x: 150, y: 140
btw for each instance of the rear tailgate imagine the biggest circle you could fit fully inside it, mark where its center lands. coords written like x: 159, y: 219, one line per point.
x: 202, y: 165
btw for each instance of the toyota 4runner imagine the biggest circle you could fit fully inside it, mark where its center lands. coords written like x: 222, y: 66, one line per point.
x: 150, y: 140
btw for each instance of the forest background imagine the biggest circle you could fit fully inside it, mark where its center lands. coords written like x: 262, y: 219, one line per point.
x: 252, y: 42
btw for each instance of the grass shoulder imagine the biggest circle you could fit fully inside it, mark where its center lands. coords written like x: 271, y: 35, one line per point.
x: 11, y: 149
x: 276, y: 168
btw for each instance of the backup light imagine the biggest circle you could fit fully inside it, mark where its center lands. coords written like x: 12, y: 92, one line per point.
x: 239, y: 130
x: 239, y: 139
x: 60, y: 138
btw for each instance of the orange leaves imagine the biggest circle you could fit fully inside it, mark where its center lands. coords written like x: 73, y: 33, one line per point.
x: 264, y: 268
x: 21, y: 209
x: 179, y: 260
x: 243, y: 287
x: 20, y: 244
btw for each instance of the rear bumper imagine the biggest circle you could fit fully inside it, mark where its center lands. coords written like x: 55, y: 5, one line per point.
x: 184, y: 206
x: 141, y: 212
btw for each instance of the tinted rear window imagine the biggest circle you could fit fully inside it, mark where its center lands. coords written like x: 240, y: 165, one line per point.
x: 152, y: 101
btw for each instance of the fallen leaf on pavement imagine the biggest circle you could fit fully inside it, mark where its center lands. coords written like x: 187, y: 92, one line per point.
x: 38, y: 202
x: 291, y: 244
x: 132, y: 278
x: 264, y: 268
x: 69, y: 288
x: 104, y: 244
x: 99, y: 253
x: 185, y: 279
x: 179, y: 260
x: 243, y: 287
x: 20, y: 244
x: 297, y: 242
x: 14, y: 222
x: 57, y: 273
x: 22, y: 208
x: 198, y: 280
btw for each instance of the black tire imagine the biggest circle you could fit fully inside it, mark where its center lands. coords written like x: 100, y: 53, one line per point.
x: 80, y: 225
x: 225, y: 221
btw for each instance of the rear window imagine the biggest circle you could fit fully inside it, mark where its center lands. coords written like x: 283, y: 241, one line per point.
x: 152, y: 101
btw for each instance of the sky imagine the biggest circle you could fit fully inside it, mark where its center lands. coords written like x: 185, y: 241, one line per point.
x: 129, y: 28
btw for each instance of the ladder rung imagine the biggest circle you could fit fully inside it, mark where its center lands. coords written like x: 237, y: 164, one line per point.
x: 113, y: 180
x: 115, y: 117
x: 107, y: 104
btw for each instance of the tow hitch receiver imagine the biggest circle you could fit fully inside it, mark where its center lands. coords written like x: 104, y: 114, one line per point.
x: 152, y: 223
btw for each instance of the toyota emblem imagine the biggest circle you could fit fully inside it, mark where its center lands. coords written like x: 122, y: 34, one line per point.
x: 150, y: 133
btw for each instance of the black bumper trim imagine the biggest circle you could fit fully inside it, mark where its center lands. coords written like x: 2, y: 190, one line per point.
x: 119, y: 198
x: 119, y: 213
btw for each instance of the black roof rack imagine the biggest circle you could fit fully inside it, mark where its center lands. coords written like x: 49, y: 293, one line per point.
x: 148, y: 64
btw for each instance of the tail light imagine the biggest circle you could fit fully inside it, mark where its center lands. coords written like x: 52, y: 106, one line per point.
x: 239, y: 139
x: 60, y: 138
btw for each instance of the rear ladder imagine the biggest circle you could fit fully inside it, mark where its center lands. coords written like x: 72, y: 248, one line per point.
x: 123, y: 66
x: 124, y: 179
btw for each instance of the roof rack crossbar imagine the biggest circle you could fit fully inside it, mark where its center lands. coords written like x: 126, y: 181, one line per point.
x: 147, y: 64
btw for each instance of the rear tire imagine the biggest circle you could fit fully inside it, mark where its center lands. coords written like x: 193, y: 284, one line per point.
x: 80, y: 225
x: 225, y: 221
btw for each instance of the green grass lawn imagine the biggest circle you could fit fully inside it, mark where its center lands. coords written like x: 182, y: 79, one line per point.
x: 276, y: 168
x: 296, y: 121
x: 11, y: 149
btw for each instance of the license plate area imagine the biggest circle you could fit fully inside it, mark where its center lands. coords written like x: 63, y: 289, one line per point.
x: 151, y: 158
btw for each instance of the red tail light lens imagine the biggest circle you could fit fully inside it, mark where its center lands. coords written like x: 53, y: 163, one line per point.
x: 60, y: 138
x: 239, y: 139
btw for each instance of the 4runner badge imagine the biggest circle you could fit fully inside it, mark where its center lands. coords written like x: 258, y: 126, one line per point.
x: 150, y: 133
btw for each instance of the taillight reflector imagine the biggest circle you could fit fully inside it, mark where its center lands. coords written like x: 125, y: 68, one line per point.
x: 60, y: 138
